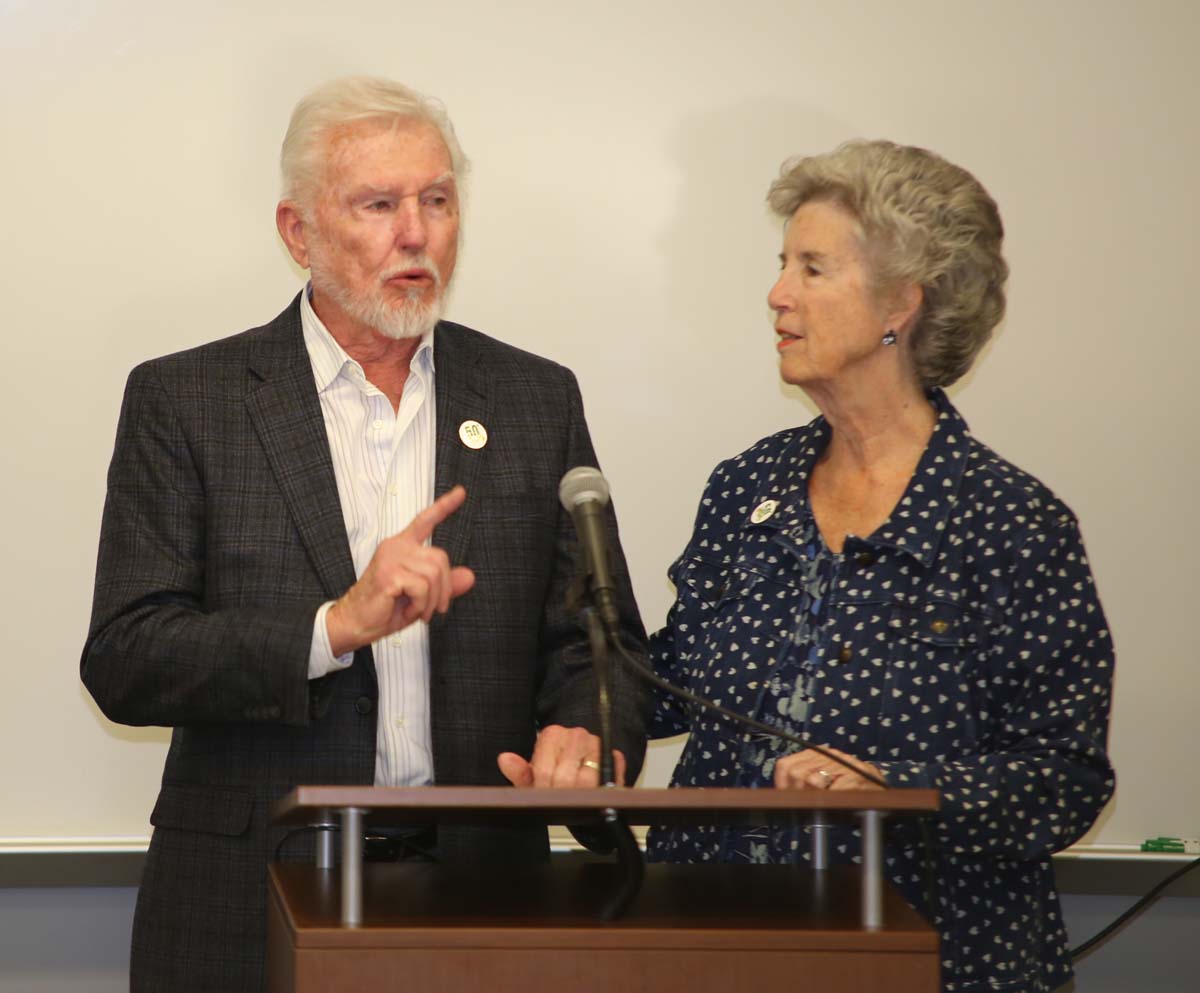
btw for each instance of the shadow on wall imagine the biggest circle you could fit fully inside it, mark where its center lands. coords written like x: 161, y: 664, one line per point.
x: 721, y: 249
x: 722, y: 245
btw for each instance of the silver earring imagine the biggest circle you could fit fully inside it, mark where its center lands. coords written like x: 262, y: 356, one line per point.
x: 889, y: 338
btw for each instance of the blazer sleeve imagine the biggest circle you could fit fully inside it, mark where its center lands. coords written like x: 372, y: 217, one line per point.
x: 568, y: 690
x: 156, y: 652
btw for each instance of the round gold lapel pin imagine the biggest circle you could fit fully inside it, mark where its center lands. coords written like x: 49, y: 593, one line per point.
x: 472, y: 434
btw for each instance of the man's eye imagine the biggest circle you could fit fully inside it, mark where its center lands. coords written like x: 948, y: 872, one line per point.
x: 379, y: 205
x: 812, y: 270
x: 437, y: 200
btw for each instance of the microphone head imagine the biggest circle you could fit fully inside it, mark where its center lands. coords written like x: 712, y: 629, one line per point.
x: 581, y: 484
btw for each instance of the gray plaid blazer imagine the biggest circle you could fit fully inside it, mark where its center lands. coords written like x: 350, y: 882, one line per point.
x: 222, y: 534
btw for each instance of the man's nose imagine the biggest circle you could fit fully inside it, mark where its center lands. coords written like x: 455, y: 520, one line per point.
x: 410, y: 230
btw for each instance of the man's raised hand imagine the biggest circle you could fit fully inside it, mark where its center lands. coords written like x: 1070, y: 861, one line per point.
x: 405, y: 581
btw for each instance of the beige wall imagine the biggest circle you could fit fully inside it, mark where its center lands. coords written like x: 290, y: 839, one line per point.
x: 621, y: 152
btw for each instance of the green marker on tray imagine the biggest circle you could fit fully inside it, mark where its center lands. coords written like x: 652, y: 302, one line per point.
x: 1180, y: 846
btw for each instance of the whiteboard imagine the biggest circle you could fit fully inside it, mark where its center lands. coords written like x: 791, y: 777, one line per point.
x: 615, y: 222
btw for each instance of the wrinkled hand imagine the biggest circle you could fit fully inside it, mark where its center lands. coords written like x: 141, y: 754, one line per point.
x: 558, y: 757
x: 405, y: 581
x: 810, y: 770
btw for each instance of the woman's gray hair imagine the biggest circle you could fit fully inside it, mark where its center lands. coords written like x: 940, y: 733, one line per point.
x: 341, y: 103
x: 921, y: 220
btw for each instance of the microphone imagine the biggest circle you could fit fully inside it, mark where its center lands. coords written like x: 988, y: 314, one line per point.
x: 583, y: 492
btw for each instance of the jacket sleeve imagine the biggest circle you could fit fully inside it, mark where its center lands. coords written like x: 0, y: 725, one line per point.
x: 1041, y: 774
x: 156, y: 653
x: 568, y: 694
x: 673, y: 647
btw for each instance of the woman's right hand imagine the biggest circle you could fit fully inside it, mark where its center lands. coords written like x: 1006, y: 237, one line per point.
x: 813, y: 770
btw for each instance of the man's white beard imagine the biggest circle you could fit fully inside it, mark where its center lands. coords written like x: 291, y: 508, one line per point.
x: 410, y: 319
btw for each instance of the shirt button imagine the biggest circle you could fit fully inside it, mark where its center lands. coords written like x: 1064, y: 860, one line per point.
x: 400, y: 722
x: 364, y: 705
x: 865, y: 558
x: 377, y: 425
x: 846, y: 654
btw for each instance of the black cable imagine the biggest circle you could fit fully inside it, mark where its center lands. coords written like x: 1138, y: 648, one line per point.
x: 289, y: 836
x: 1137, y: 908
x: 652, y: 677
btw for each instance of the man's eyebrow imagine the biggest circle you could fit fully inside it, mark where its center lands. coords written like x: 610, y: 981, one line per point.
x: 445, y: 180
x: 372, y: 190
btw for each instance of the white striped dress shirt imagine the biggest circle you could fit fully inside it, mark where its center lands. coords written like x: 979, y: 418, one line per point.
x: 384, y: 462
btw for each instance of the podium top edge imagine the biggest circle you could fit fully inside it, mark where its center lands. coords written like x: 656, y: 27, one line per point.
x: 427, y: 804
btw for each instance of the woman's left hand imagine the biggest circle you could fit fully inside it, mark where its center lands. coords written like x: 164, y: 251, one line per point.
x: 812, y: 770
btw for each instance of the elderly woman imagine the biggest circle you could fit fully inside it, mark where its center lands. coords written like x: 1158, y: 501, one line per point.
x: 887, y: 586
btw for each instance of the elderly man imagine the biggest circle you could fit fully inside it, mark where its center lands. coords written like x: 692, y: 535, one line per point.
x: 277, y: 581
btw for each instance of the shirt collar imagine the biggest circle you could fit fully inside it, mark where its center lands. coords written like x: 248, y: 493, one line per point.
x: 919, y: 519
x: 329, y: 359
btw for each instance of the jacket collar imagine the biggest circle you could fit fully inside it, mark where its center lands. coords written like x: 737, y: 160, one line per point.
x: 920, y: 517
x: 462, y: 395
x: 284, y: 408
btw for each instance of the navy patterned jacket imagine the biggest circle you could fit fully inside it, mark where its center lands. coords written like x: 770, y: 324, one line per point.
x: 961, y: 647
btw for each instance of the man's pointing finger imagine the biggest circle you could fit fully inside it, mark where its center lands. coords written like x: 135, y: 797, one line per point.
x: 443, y: 507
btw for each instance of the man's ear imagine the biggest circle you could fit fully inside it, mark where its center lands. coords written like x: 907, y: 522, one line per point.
x: 291, y: 225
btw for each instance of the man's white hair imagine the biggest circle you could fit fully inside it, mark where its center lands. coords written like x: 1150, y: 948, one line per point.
x: 344, y: 102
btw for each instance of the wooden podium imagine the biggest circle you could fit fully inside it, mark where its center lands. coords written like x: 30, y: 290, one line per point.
x: 417, y: 927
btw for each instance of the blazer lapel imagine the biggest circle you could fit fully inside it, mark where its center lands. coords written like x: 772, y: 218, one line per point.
x: 462, y: 395
x: 286, y: 414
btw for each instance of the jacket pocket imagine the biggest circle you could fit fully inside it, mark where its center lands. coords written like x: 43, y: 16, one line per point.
x: 928, y: 708
x: 207, y: 809
x: 938, y: 623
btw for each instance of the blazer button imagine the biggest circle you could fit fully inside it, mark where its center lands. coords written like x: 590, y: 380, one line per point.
x: 846, y: 654
x: 865, y: 558
x: 364, y: 705
x: 939, y: 626
x: 273, y: 711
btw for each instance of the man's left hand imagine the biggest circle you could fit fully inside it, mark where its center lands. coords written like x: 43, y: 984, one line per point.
x: 562, y: 758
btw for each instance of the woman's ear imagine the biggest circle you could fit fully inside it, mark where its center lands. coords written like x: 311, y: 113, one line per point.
x: 905, y: 306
